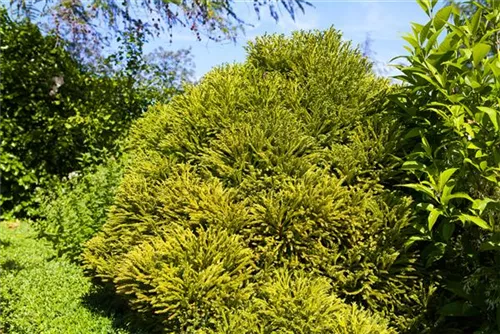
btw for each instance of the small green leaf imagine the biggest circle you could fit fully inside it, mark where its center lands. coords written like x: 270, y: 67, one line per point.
x: 413, y: 165
x: 420, y: 188
x: 432, y: 218
x: 476, y: 220
x: 474, y: 24
x: 472, y: 146
x: 455, y: 195
x: 471, y: 82
x: 432, y: 40
x: 491, y: 178
x: 414, y: 132
x: 445, y: 176
x: 492, y: 114
x: 425, y: 32
x: 427, y: 78
x: 412, y: 240
x: 425, y: 5
x: 479, y: 51
x: 442, y: 17
x: 469, y: 161
x: 495, y: 68
x: 481, y: 204
x: 483, y: 165
x: 427, y: 146
x: 411, y: 39
x: 425, y: 206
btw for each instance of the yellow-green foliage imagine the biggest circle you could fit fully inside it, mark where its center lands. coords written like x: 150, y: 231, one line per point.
x: 188, y: 277
x: 275, y: 162
x: 299, y: 304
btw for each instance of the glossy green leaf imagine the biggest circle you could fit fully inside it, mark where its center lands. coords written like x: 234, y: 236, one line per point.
x: 492, y: 114
x: 412, y: 40
x: 413, y: 165
x: 445, y: 176
x: 479, y: 51
x: 432, y: 40
x: 425, y: 206
x: 432, y: 218
x: 442, y: 17
x: 474, y: 219
x: 461, y: 195
x: 426, y: 77
x: 421, y: 188
x: 412, y: 133
x: 425, y: 32
x: 474, y: 23
x: 427, y: 147
x: 446, y: 191
x: 448, y: 43
x: 425, y: 5
x: 481, y: 204
x: 411, y: 240
x: 495, y: 68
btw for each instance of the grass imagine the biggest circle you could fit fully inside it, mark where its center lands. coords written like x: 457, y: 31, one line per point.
x: 42, y: 293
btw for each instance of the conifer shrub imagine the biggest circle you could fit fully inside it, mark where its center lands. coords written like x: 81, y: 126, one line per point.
x: 299, y: 303
x: 277, y: 162
x: 190, y: 277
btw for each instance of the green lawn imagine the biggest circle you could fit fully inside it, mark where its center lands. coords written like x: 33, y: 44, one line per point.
x: 41, y: 293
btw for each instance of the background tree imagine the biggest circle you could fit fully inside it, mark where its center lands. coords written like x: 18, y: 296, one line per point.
x: 59, y: 116
x: 79, y: 21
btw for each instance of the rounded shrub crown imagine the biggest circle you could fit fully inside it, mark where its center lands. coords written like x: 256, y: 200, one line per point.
x: 281, y: 158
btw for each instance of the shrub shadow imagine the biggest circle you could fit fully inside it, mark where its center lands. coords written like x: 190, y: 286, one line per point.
x: 11, y: 266
x: 104, y: 301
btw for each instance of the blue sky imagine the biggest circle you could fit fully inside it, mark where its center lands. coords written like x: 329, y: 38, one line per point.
x: 386, y: 21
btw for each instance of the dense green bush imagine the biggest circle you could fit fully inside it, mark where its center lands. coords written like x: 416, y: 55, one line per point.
x: 276, y: 162
x: 59, y: 116
x: 297, y: 303
x: 71, y: 212
x: 55, y: 115
x: 450, y: 104
x: 40, y: 293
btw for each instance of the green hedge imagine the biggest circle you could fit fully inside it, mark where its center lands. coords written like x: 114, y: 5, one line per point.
x: 277, y: 162
x: 57, y: 117
x: 450, y: 101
